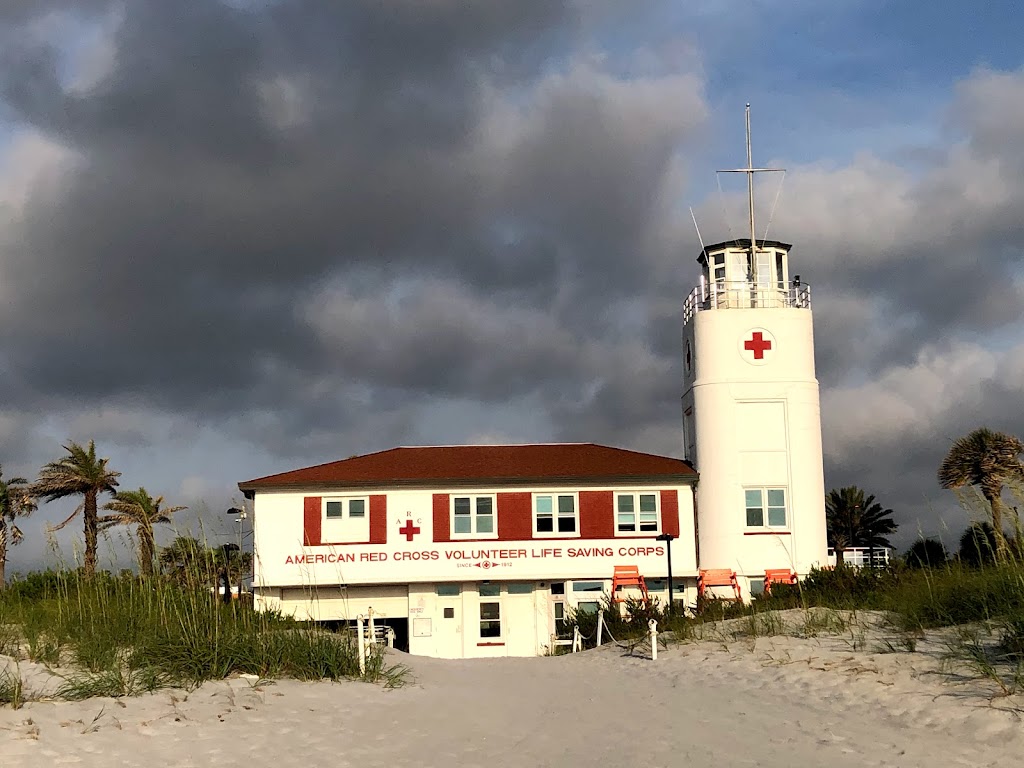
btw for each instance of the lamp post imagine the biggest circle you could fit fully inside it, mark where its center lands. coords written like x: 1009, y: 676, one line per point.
x: 667, y: 538
x: 240, y: 517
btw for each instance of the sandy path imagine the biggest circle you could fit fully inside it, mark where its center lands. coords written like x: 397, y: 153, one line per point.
x: 774, y: 702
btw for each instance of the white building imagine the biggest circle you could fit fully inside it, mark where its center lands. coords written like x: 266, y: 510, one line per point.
x: 469, y: 551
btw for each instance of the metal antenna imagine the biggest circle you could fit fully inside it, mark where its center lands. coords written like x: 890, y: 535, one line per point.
x: 750, y: 170
x: 697, y: 228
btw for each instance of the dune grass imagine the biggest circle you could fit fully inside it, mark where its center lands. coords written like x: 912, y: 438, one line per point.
x: 119, y: 636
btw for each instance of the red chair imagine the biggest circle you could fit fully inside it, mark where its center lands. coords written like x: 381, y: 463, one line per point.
x: 718, y: 577
x: 777, y: 576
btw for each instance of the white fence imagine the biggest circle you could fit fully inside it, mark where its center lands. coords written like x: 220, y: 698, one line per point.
x: 861, y: 557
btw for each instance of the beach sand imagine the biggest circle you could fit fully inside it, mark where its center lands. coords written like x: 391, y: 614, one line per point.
x: 722, y: 701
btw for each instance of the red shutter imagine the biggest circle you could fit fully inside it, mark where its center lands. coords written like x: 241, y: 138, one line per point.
x: 311, y: 521
x: 597, y: 515
x: 441, y: 517
x: 515, y: 516
x: 379, y: 519
x: 670, y: 512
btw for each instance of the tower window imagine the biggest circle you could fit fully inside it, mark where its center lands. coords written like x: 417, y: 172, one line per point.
x: 765, y: 507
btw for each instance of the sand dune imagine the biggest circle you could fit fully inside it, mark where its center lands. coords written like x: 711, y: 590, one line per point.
x: 723, y: 701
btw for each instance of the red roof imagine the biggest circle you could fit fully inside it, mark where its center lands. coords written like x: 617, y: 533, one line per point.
x: 479, y: 464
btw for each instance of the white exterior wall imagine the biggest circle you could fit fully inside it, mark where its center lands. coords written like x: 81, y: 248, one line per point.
x: 399, y: 579
x: 757, y: 423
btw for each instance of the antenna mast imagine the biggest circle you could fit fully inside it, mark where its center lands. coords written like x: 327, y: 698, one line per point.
x: 750, y: 192
x: 750, y: 170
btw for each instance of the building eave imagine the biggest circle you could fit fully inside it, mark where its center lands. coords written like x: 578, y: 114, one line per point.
x: 475, y: 482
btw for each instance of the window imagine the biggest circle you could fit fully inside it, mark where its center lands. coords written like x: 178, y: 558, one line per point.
x: 473, y: 516
x: 449, y: 613
x: 765, y: 507
x: 520, y: 589
x: 588, y: 586
x: 557, y: 587
x: 555, y: 514
x: 637, y: 513
x: 590, y: 606
x: 488, y: 589
x: 345, y: 520
x: 340, y: 509
x: 718, y: 268
x: 490, y: 620
x: 448, y: 590
x: 559, y: 615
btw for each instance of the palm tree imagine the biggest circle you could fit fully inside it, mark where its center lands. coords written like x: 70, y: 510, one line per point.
x: 855, y: 520
x: 78, y: 473
x: 138, y: 508
x: 926, y: 553
x: 987, y: 459
x: 977, y: 545
x: 187, y: 562
x: 15, y: 501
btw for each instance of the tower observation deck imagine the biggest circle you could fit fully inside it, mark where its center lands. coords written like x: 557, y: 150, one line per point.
x: 732, y: 278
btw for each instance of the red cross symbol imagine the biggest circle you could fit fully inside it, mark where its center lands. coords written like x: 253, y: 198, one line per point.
x: 409, y: 530
x: 757, y: 344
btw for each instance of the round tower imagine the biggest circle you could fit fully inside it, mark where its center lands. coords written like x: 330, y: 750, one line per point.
x: 751, y: 415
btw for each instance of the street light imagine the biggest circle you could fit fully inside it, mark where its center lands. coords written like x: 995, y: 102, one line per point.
x: 240, y: 517
x: 667, y: 538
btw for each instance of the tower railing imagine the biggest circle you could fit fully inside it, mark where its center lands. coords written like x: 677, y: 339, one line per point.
x: 743, y: 294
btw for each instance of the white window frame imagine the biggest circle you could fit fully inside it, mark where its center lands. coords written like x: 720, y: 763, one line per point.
x: 764, y: 507
x: 636, y: 512
x: 346, y: 502
x: 473, y: 533
x: 556, y: 516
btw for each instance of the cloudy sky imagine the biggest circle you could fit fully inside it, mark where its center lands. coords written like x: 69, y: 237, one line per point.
x: 245, y: 236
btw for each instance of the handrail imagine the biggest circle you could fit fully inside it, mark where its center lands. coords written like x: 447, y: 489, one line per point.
x: 743, y: 294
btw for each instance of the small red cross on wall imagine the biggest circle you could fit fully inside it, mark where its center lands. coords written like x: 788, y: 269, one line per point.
x: 409, y: 530
x: 757, y: 344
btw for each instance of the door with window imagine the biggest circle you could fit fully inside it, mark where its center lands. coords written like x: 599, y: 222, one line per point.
x: 559, y: 611
x: 490, y: 621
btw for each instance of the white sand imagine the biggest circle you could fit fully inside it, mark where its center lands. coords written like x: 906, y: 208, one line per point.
x: 777, y: 701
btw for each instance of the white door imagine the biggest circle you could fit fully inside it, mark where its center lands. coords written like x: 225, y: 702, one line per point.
x: 520, y: 619
x: 447, y: 625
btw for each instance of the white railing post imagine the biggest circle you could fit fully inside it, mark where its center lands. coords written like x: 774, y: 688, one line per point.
x: 653, y: 626
x: 600, y: 627
x: 361, y: 644
x: 577, y: 640
x: 372, y: 630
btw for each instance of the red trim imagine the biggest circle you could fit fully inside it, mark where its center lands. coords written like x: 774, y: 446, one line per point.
x: 768, y: 533
x: 670, y: 513
x: 483, y: 645
x: 597, y: 515
x: 311, y: 506
x: 379, y: 519
x: 515, y: 516
x: 442, y: 517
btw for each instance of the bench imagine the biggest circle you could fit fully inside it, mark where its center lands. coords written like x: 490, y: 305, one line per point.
x: 777, y: 576
x: 718, y: 577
